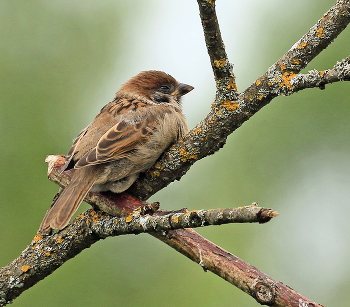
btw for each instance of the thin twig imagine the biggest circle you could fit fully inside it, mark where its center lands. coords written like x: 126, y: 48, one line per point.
x: 315, y: 78
x: 137, y: 223
x: 222, y: 68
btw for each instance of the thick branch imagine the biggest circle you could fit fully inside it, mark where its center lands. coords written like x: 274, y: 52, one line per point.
x: 263, y: 288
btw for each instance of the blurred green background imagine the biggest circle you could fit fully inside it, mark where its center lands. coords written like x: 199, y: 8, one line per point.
x: 61, y: 61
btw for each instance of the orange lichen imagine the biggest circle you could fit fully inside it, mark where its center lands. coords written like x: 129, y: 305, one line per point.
x: 128, y: 219
x: 218, y: 111
x: 182, y: 152
x: 286, y: 77
x: 197, y: 130
x: 37, y: 238
x: 59, y: 240
x: 302, y: 45
x: 232, y: 84
x: 260, y: 96
x: 219, y: 63
x: 258, y: 82
x: 283, y: 66
x: 230, y: 105
x: 94, y: 217
x: 81, y: 215
x: 47, y: 253
x: 25, y: 268
x: 155, y: 174
x: 186, y: 155
x: 295, y: 61
x: 176, y: 219
x: 319, y: 32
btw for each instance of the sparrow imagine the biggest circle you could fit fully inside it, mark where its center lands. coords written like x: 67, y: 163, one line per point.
x: 126, y: 138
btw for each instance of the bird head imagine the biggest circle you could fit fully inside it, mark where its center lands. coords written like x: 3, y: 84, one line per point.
x: 157, y: 86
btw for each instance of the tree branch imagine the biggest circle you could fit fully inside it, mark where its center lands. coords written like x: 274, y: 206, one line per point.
x: 164, y: 220
x: 222, y: 68
x: 315, y: 78
x: 249, y: 279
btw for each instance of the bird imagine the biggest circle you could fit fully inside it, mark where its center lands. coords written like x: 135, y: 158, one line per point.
x: 126, y: 138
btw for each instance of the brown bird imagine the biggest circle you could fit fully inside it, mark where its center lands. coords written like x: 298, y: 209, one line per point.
x: 126, y: 137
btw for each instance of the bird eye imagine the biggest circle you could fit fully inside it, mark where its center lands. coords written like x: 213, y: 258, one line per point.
x: 164, y: 89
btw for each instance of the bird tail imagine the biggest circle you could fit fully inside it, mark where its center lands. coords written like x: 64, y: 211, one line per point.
x: 58, y: 216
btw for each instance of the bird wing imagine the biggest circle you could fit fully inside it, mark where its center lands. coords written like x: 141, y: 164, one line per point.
x: 131, y: 130
x: 121, y: 106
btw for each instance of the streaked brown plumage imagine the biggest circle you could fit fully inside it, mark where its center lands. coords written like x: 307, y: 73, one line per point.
x: 125, y: 138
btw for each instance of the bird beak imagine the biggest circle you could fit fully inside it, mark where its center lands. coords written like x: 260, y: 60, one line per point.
x: 182, y: 89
